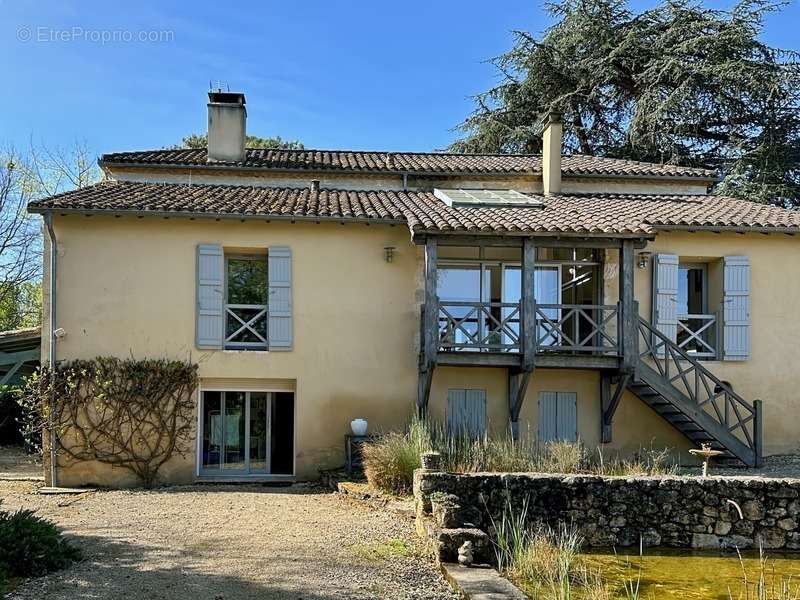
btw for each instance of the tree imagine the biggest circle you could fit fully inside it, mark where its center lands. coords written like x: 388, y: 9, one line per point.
x: 40, y: 172
x: 251, y: 141
x: 678, y: 83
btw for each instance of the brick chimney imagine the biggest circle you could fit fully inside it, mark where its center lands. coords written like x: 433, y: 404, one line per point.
x: 552, y: 134
x: 227, y: 129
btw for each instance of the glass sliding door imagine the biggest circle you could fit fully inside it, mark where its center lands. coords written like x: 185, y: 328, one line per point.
x: 259, y: 432
x: 462, y: 325
x: 233, y: 432
x: 547, y: 290
x: 236, y: 433
x: 512, y: 294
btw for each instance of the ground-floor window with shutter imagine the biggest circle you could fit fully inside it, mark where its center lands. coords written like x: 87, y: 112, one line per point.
x: 244, y: 300
x: 466, y: 412
x: 558, y: 416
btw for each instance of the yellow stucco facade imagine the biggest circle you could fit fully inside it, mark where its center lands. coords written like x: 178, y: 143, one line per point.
x: 126, y: 286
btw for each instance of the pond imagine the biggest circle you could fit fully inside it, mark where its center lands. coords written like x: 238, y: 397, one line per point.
x: 699, y: 575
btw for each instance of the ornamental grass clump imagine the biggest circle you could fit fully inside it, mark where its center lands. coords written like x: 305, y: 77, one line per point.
x: 390, y: 460
x: 545, y: 562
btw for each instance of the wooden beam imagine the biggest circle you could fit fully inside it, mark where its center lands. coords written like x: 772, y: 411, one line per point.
x: 610, y: 403
x: 528, y: 306
x: 517, y: 388
x: 546, y: 360
x: 429, y: 337
x: 629, y: 319
x: 424, y: 391
x: 431, y: 319
x: 758, y: 433
x: 10, y: 358
x: 10, y: 373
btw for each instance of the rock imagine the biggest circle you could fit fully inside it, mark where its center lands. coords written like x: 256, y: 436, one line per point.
x: 722, y: 528
x: 787, y: 524
x: 770, y: 537
x: 753, y: 510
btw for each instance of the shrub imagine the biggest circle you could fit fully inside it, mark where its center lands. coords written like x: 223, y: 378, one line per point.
x: 31, y: 546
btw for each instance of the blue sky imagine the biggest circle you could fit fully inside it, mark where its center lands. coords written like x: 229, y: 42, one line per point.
x: 334, y: 74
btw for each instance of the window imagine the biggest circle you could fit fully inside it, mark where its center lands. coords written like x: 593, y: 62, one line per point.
x: 246, y: 302
x: 466, y: 412
x: 696, y: 328
x: 558, y: 416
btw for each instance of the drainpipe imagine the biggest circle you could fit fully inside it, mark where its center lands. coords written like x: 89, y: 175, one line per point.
x: 48, y: 219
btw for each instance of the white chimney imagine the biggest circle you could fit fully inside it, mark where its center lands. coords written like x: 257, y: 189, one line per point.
x: 552, y: 134
x: 227, y: 129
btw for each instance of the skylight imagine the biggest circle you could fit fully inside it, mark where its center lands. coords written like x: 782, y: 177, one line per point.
x: 486, y: 198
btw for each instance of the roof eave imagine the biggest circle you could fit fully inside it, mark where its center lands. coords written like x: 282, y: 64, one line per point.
x: 729, y: 229
x: 240, y: 168
x: 707, y: 179
x: 164, y: 214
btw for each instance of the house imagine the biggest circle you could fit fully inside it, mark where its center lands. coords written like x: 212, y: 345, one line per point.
x: 563, y: 297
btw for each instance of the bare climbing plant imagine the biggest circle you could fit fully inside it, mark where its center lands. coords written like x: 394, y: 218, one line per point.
x: 132, y: 414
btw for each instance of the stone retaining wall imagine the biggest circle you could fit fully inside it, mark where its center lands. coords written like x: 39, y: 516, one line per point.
x: 616, y: 511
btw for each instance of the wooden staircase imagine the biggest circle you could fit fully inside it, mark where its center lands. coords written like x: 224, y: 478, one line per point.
x: 683, y: 391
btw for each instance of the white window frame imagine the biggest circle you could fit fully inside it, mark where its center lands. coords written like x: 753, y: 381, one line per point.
x: 200, y: 474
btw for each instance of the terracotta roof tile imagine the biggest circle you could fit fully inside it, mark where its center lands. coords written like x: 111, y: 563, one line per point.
x: 404, y: 162
x: 609, y: 214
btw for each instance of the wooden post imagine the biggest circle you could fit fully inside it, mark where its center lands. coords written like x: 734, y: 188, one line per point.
x: 517, y: 388
x: 518, y: 380
x: 758, y: 433
x: 629, y: 317
x: 605, y: 401
x: 429, y: 341
x: 528, y: 306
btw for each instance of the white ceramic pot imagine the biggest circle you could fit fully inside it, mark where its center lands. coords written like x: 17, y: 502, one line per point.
x: 359, y: 426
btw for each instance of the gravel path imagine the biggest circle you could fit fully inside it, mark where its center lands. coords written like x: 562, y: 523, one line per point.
x: 229, y: 542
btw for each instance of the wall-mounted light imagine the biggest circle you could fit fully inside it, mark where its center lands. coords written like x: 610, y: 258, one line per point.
x: 388, y: 253
x: 644, y: 259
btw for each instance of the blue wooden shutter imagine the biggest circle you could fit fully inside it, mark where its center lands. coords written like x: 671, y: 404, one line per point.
x: 548, y: 416
x: 466, y: 412
x: 567, y: 418
x: 558, y: 416
x: 665, y: 294
x: 279, y: 299
x: 210, y: 296
x: 456, y: 410
x: 475, y: 412
x: 736, y: 308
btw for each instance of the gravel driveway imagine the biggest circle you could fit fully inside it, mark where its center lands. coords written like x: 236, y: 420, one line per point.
x: 229, y: 542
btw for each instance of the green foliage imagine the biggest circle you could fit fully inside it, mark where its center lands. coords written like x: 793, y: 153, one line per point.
x: 31, y: 546
x: 196, y: 140
x: 20, y: 305
x: 676, y: 83
x: 132, y: 414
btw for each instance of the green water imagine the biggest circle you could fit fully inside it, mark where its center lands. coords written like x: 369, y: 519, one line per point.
x: 695, y: 575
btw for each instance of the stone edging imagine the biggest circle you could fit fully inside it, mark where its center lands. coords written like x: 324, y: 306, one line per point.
x: 480, y: 583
